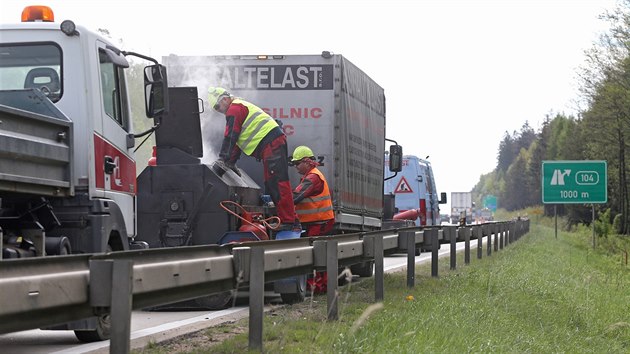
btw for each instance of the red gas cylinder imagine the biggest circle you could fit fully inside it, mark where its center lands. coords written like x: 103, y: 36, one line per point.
x: 410, y: 214
x: 153, y: 159
x: 255, y: 228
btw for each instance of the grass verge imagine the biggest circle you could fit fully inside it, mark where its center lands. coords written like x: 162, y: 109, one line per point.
x: 540, y: 294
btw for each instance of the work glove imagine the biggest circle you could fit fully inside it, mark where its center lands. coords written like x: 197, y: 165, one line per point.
x: 233, y: 167
x: 220, y: 167
x: 225, y: 166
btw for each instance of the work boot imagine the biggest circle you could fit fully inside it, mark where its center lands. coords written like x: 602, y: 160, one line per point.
x: 297, y: 227
x: 285, y: 227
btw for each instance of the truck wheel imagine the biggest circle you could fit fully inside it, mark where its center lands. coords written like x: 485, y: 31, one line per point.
x: 100, y: 333
x: 217, y: 301
x: 364, y: 270
x: 299, y: 296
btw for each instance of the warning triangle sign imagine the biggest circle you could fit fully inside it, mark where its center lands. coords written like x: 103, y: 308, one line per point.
x: 403, y: 187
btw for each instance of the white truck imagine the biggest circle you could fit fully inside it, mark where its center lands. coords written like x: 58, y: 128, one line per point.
x: 67, y: 168
x: 461, y: 207
x: 416, y: 196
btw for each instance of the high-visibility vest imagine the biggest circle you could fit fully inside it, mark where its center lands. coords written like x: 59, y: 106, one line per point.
x: 318, y: 207
x: 255, y: 127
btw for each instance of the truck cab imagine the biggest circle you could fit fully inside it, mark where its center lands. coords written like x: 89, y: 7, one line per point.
x: 415, y: 192
x: 67, y: 168
x: 67, y: 132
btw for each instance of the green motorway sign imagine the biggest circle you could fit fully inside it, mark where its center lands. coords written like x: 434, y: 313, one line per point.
x: 490, y: 202
x: 574, y: 182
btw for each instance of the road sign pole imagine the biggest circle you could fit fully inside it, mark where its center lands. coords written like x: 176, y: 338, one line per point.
x: 555, y: 216
x: 593, y: 223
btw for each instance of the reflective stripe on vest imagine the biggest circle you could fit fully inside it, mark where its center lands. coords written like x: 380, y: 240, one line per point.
x: 318, y: 207
x: 255, y: 127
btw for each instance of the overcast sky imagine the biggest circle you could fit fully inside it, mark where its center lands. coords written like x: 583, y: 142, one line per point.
x: 457, y: 74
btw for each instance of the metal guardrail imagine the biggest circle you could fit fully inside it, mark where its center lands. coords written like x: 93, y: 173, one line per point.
x: 40, y: 292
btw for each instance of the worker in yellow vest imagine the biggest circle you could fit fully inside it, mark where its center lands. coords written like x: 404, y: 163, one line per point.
x: 251, y: 130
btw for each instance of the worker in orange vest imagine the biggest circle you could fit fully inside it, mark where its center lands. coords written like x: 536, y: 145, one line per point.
x: 313, y: 205
x: 312, y: 199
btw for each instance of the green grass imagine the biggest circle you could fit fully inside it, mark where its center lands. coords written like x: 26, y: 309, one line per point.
x: 537, y: 295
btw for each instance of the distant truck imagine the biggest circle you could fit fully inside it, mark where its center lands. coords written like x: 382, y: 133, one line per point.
x: 484, y: 215
x: 461, y: 207
x: 414, y: 191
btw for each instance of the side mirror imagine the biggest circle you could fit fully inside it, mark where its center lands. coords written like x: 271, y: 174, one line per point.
x: 395, y: 158
x: 443, y: 198
x: 155, y: 90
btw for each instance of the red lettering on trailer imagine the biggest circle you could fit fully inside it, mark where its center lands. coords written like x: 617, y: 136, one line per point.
x: 294, y: 112
x: 288, y: 129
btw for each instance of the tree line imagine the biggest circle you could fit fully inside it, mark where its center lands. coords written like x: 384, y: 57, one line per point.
x: 600, y: 131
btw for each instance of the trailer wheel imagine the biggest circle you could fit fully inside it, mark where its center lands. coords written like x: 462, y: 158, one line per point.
x: 299, y: 295
x: 100, y: 333
x: 364, y: 270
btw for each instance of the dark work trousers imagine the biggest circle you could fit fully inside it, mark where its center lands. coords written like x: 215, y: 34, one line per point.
x: 276, y: 175
x: 319, y: 228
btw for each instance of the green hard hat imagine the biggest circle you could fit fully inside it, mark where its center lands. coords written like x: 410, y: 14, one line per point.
x: 215, y: 94
x: 301, y: 152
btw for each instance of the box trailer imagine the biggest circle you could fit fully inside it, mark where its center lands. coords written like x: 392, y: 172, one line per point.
x: 323, y: 101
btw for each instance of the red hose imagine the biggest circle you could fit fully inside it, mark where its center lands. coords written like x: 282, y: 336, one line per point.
x: 265, y: 222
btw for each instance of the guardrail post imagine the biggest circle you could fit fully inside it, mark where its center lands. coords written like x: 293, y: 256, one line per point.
x: 118, y: 299
x: 435, y: 244
x: 249, y: 263
x: 373, y: 247
x: 496, y: 237
x: 501, y: 235
x: 452, y: 238
x: 513, y: 231
x: 507, y: 234
x: 489, y: 238
x: 332, y: 266
x: 478, y: 230
x: 122, y: 297
x: 506, y: 230
x: 409, y: 238
x: 256, y: 297
x: 467, y: 231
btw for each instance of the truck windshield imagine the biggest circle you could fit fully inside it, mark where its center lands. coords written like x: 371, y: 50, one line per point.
x: 31, y: 66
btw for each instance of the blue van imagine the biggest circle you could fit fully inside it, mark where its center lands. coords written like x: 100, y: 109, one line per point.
x: 414, y: 191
